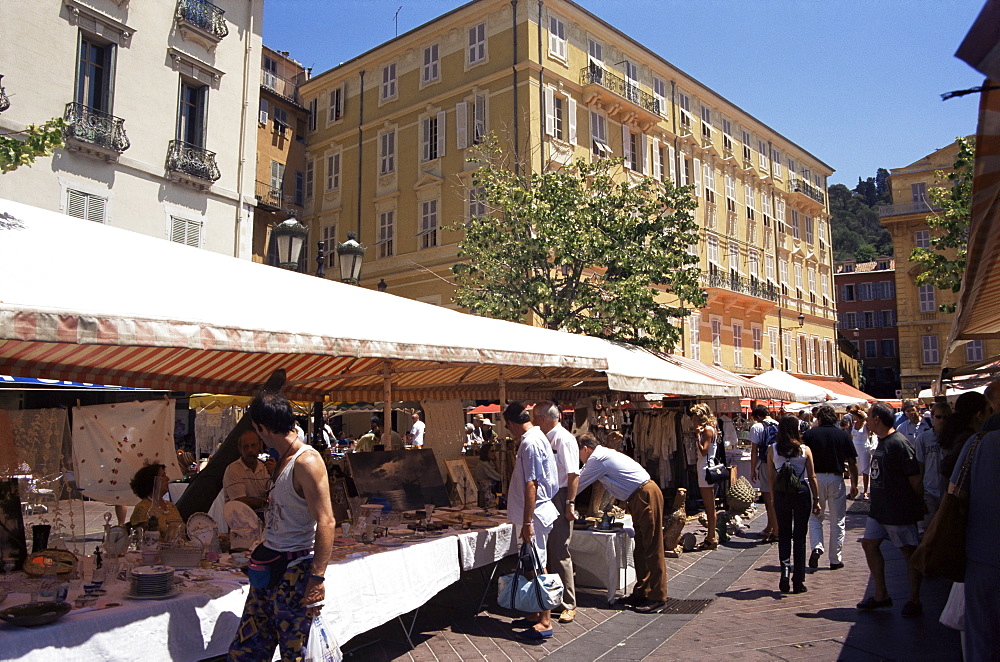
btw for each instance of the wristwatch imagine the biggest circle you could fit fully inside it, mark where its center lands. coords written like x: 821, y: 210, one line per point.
x: 318, y: 577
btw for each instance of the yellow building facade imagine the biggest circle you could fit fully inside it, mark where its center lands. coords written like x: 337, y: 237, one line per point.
x: 923, y: 328
x: 388, y: 146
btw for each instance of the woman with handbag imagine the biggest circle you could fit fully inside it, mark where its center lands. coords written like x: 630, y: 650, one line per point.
x: 793, y: 482
x: 704, y: 422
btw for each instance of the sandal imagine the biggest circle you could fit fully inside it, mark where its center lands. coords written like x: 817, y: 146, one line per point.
x: 769, y: 539
x: 709, y: 544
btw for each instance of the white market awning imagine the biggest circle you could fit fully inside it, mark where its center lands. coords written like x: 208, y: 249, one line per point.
x: 800, y: 388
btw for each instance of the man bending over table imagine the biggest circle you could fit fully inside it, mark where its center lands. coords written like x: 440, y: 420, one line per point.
x: 286, y: 570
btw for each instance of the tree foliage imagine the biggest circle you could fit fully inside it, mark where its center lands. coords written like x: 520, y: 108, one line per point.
x: 943, y: 264
x: 854, y: 222
x: 33, y: 142
x: 584, y: 248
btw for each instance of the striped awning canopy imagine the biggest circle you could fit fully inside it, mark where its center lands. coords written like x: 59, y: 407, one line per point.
x: 742, y: 386
x: 90, y: 303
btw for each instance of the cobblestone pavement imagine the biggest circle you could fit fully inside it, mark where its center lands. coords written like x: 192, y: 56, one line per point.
x: 748, y: 619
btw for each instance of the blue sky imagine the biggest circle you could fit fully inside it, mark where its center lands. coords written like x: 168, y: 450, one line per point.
x: 855, y: 82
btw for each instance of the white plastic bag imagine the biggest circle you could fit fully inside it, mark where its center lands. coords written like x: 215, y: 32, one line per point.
x: 322, y: 645
x: 953, y: 614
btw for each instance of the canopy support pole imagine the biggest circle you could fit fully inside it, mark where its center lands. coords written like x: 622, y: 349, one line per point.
x: 387, y: 405
x: 503, y: 405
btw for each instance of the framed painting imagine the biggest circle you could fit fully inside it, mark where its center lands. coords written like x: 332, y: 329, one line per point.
x: 463, y: 483
x: 407, y: 480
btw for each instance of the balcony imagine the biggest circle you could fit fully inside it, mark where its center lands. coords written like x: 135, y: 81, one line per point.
x: 268, y: 197
x: 94, y: 132
x: 191, y: 164
x: 919, y: 207
x: 202, y: 22
x: 802, y: 187
x: 287, y: 89
x: 740, y: 284
x: 602, y: 82
x: 4, y: 100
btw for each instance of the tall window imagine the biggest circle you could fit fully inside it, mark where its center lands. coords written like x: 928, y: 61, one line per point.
x: 713, y: 249
x: 772, y: 344
x: 888, y: 348
x: 634, y: 152
x: 310, y: 177
x: 795, y: 223
x: 930, y: 347
x: 786, y: 342
x: 599, y: 134
x: 695, y: 337
x: 809, y: 229
x: 300, y: 188
x: 922, y: 238
x: 684, y: 101
x: 432, y: 65
x: 747, y: 150
x: 86, y: 206
x: 269, y: 75
x: 558, y: 117
x: 428, y: 223
x: 706, y: 122
x: 928, y: 304
x: 477, y: 205
x: 386, y: 233
x: 557, y: 38
x: 479, y: 118
x: 717, y: 341
x: 93, y: 78
x: 660, y: 94
x: 477, y: 43
x: 919, y: 192
x: 389, y: 81
x: 974, y: 351
x: 387, y: 152
x: 277, y: 179
x: 191, y: 114
x: 333, y: 172
x: 865, y: 291
x: 769, y: 267
x: 783, y: 271
x: 727, y: 136
x: 737, y: 345
x: 336, y: 109
x: 313, y: 103
x: 871, y: 349
x: 432, y: 137
x: 329, y: 245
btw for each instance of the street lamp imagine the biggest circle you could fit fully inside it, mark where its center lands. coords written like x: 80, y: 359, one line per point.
x: 288, y: 237
x: 351, y: 254
x: 802, y: 319
x: 382, y: 285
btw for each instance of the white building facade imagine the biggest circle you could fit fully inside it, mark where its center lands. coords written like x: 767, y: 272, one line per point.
x: 160, y: 99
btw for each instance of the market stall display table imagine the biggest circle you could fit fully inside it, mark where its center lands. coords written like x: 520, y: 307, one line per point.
x: 603, y: 559
x: 740, y: 458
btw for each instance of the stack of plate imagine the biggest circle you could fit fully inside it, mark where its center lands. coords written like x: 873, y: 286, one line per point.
x: 151, y: 581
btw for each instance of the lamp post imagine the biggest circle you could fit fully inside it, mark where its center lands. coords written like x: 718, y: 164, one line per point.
x: 382, y: 286
x: 802, y: 320
x: 351, y: 254
x: 288, y: 237
x: 320, y: 259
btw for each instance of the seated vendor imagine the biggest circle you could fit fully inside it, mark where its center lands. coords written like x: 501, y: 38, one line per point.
x: 368, y: 441
x: 488, y: 479
x: 144, y: 484
x: 248, y: 479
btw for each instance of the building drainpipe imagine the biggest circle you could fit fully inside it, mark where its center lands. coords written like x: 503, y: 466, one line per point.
x: 517, y: 138
x: 247, y: 52
x: 541, y: 91
x: 361, y: 121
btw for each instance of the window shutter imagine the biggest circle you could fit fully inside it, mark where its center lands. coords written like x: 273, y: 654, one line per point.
x: 479, y: 118
x: 441, y: 133
x: 550, y: 116
x: 95, y: 210
x: 593, y: 137
x: 697, y: 178
x: 657, y: 170
x: 644, y: 143
x: 461, y: 125
x: 425, y: 141
x: 626, y: 147
x: 571, y: 114
x: 178, y: 231
x: 671, y: 157
x: 343, y: 99
x: 76, y: 204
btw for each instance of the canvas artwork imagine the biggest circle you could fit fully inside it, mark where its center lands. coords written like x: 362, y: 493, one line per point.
x: 465, y: 488
x: 340, y: 500
x: 13, y: 546
x: 406, y: 479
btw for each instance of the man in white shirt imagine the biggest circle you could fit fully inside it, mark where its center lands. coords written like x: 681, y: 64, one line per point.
x: 626, y: 480
x: 533, y: 483
x: 417, y: 432
x: 912, y: 424
x: 546, y: 416
x: 247, y: 479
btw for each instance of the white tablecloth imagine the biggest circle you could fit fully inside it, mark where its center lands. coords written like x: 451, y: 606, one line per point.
x: 604, y: 560
x: 482, y: 547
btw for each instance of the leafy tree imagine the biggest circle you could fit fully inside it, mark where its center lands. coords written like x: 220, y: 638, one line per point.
x: 36, y: 141
x: 854, y: 220
x: 583, y: 248
x: 943, y: 264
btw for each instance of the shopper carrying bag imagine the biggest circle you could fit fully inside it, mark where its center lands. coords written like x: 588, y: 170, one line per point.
x: 528, y: 588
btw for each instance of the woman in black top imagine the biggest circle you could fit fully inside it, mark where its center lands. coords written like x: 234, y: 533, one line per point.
x: 792, y: 508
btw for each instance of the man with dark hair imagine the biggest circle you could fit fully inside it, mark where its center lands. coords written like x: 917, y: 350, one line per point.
x: 533, y: 483
x: 626, y: 480
x: 912, y: 424
x: 762, y: 433
x: 287, y: 569
x: 897, y: 504
x: 546, y: 416
x: 369, y: 439
x: 246, y: 479
x: 831, y: 447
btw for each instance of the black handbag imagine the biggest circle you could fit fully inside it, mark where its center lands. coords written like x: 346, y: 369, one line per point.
x: 715, y: 473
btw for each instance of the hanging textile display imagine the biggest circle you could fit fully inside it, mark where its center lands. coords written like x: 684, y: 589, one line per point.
x: 8, y: 453
x: 211, y: 428
x: 655, y: 436
x: 42, y: 440
x: 112, y: 442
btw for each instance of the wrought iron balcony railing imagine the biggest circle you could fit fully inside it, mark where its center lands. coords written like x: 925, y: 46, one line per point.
x: 203, y: 15
x: 280, y: 86
x: 192, y: 160
x: 919, y: 207
x: 623, y: 88
x: 4, y: 100
x: 95, y: 127
x: 798, y: 185
x: 268, y: 197
x: 741, y: 284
